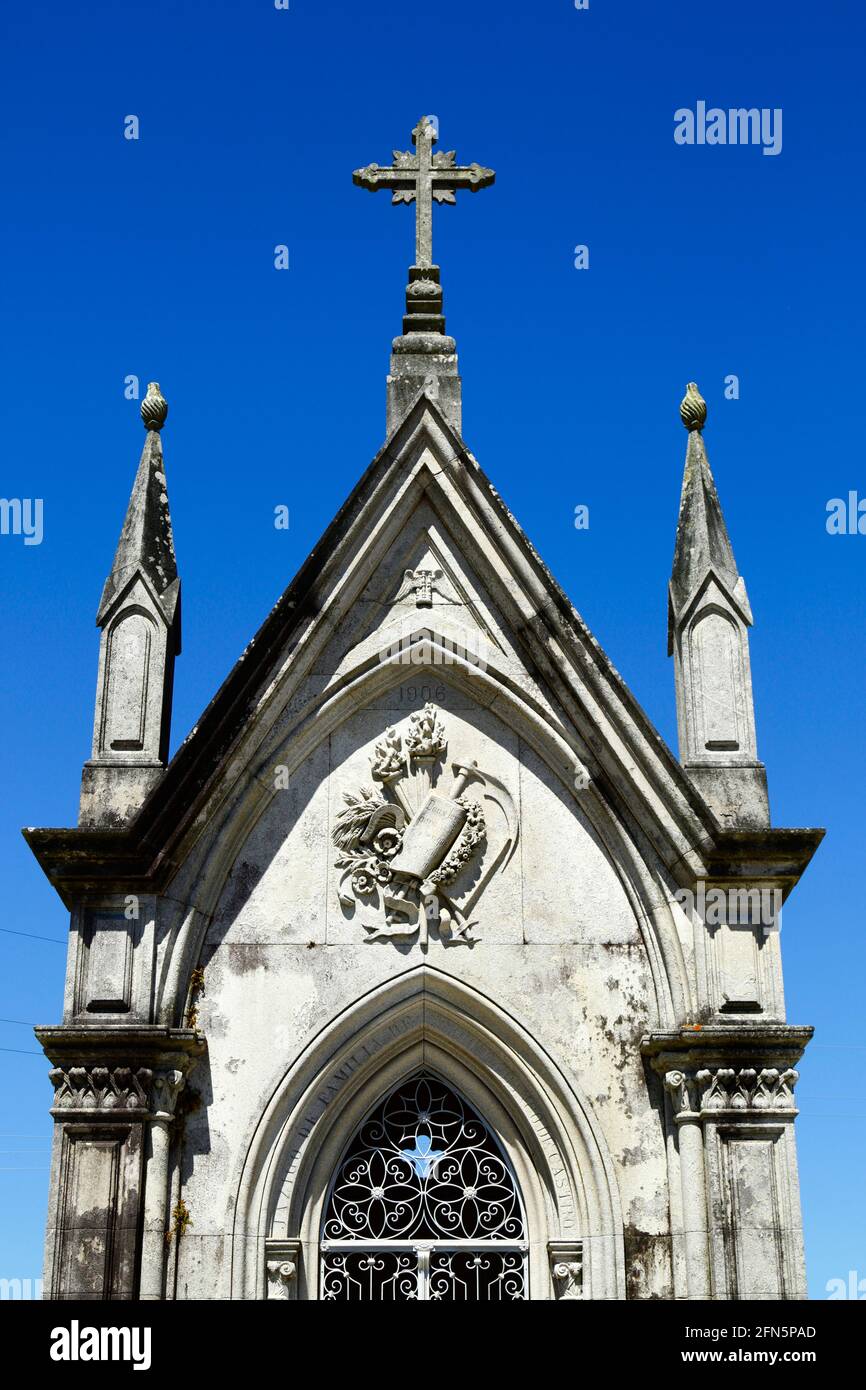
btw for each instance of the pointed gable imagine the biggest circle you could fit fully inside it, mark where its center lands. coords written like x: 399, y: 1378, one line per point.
x: 553, y: 659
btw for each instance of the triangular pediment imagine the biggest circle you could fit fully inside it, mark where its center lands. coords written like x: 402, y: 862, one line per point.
x: 424, y: 504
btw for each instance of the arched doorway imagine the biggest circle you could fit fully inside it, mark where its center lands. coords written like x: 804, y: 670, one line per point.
x: 425, y: 1022
x: 423, y: 1206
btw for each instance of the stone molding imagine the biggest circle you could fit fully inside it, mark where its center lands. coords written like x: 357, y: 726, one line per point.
x: 104, y: 1090
x: 709, y: 1090
x: 101, y: 1089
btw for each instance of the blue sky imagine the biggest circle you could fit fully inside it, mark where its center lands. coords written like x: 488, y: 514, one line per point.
x: 155, y: 257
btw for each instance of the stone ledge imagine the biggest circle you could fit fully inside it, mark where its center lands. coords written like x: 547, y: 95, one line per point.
x: 725, y: 1043
x: 121, y: 1044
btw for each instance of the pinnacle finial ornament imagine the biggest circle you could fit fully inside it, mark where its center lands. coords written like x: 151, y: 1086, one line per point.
x: 154, y: 407
x: 693, y: 408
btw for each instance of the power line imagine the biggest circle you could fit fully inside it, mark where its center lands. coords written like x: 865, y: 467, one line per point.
x: 33, y: 936
x: 23, y: 1051
x: 21, y: 1021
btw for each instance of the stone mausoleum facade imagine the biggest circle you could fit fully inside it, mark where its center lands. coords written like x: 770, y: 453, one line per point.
x: 424, y: 969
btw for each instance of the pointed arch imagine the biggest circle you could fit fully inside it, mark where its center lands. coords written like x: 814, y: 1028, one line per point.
x: 427, y: 1019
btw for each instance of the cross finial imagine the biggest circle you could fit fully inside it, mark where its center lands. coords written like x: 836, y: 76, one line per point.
x: 421, y: 178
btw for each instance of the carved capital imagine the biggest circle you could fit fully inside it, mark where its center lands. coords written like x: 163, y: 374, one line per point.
x: 166, y: 1087
x: 280, y: 1275
x: 709, y: 1090
x: 282, y: 1266
x: 681, y: 1086
x: 566, y: 1269
x: 103, y: 1089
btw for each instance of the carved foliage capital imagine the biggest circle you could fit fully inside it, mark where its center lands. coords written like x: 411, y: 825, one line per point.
x: 105, y: 1089
x: 710, y: 1089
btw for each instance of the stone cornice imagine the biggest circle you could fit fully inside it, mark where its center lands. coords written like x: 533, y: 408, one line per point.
x: 759, y: 1044
x: 780, y: 855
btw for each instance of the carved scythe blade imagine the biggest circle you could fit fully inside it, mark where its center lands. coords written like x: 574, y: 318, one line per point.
x: 505, y: 802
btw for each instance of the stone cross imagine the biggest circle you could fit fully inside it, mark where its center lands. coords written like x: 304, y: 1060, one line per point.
x: 421, y: 177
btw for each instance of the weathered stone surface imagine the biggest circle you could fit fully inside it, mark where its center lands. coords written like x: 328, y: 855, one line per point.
x: 139, y: 614
x: 424, y: 827
x: 708, y: 620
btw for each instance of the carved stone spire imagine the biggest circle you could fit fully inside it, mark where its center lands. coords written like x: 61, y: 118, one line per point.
x: 146, y: 541
x: 139, y: 614
x: 708, y: 620
x: 424, y: 357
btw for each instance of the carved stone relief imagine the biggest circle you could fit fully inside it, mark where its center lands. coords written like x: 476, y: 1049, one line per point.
x: 404, y: 843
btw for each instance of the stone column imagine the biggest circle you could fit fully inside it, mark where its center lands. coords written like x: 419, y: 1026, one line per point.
x: 100, y: 1113
x: 166, y: 1089
x: 732, y: 1098
x: 693, y: 1179
x: 115, y: 1090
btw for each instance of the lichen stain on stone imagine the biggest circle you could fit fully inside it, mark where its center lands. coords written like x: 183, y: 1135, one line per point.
x: 631, y: 1157
x: 244, y: 958
x: 644, y: 1253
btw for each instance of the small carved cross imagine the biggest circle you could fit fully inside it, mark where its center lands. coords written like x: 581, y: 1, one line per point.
x: 421, y: 177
